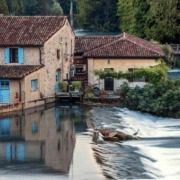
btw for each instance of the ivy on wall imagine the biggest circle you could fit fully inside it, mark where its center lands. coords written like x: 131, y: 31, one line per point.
x: 152, y: 74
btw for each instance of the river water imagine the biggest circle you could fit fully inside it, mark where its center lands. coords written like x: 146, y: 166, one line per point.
x: 54, y: 143
x: 154, y: 156
x: 47, y: 144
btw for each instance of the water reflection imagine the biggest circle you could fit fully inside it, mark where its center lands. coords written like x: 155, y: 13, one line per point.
x: 42, y: 137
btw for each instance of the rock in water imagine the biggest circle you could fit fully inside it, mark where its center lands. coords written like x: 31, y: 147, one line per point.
x: 97, y: 137
x: 113, y: 135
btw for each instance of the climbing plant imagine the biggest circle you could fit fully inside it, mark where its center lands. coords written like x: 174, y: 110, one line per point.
x: 152, y: 74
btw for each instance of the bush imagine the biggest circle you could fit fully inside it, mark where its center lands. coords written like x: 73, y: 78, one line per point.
x: 161, y: 99
x: 76, y: 85
x: 63, y: 86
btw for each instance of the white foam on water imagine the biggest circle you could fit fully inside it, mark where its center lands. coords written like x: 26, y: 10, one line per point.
x: 159, y: 151
x: 161, y: 159
x: 148, y: 125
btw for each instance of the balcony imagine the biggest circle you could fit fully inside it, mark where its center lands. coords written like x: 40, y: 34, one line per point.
x: 80, y: 76
x: 176, y: 48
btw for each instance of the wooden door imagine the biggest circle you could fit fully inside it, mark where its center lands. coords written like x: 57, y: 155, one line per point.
x: 109, y: 84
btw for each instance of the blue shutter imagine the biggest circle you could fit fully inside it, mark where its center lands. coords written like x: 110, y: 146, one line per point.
x: 8, y: 152
x: 6, y: 55
x: 5, y: 127
x: 21, y: 55
x: 20, y: 153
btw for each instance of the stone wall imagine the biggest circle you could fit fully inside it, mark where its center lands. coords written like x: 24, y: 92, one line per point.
x: 62, y: 40
x: 31, y: 56
x: 117, y: 65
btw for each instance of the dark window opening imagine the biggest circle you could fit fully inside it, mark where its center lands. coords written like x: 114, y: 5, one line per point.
x: 58, y: 54
x: 67, y: 76
x: 79, y: 70
x: 134, y: 78
x: 13, y: 55
x: 4, y: 85
x: 109, y: 69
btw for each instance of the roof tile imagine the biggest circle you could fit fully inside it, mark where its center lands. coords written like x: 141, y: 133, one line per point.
x: 28, y: 30
x: 124, y: 45
x: 17, y: 71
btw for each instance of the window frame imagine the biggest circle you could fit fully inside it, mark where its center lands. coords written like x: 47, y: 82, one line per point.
x: 36, y: 85
x: 4, y: 85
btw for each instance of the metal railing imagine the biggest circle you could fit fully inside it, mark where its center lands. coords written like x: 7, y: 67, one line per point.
x: 176, y: 48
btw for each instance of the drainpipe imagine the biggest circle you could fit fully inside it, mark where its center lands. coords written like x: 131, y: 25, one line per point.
x: 20, y: 93
x: 40, y: 56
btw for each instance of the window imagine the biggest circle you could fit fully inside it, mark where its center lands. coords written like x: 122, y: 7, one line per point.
x: 13, y: 55
x: 71, y: 47
x: 58, y: 54
x: 67, y: 76
x: 80, y: 68
x: 4, y: 85
x: 34, y: 128
x: 135, y: 79
x: 66, y: 50
x: 131, y: 69
x: 108, y: 69
x: 34, y: 84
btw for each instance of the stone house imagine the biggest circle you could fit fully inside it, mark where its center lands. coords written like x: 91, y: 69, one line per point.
x: 122, y: 52
x: 35, y: 55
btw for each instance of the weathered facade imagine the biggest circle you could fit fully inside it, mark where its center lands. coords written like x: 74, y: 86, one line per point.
x: 35, y: 55
x: 119, y: 53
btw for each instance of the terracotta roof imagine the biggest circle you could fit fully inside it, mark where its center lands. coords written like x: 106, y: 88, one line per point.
x: 28, y: 30
x: 124, y: 45
x: 87, y: 43
x: 17, y: 71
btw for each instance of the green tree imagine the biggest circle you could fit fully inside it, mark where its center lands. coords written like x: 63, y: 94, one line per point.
x: 97, y: 15
x: 42, y: 7
x: 126, y: 13
x: 65, y: 4
x: 3, y: 7
x: 140, y: 14
x: 15, y: 7
x: 56, y: 9
x: 162, y: 20
x: 151, y: 19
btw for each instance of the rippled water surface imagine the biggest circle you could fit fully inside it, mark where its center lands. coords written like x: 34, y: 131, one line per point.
x: 155, y: 155
x: 47, y: 144
x: 52, y: 143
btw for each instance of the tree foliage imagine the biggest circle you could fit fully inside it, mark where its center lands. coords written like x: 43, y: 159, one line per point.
x: 3, y: 7
x: 151, y: 19
x: 161, y: 99
x: 162, y: 20
x: 33, y: 7
x: 98, y: 15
